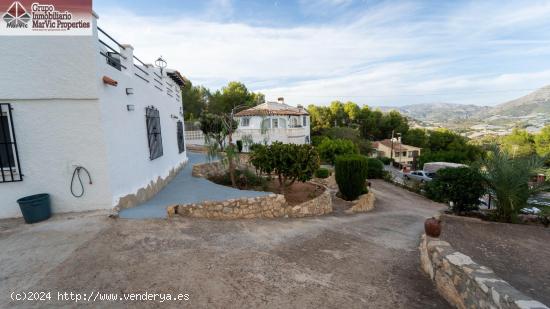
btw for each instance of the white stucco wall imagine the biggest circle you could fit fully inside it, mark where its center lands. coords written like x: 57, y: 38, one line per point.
x: 126, y: 132
x: 47, y: 67
x: 65, y: 116
x: 53, y: 136
x: 49, y: 82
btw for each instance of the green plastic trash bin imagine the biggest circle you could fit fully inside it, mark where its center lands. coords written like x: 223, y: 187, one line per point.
x: 35, y: 208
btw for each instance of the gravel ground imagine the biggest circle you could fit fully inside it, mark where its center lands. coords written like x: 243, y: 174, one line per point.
x: 517, y: 253
x: 358, y: 261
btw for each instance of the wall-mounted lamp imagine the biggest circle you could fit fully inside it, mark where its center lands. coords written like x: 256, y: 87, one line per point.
x: 174, y: 116
x: 129, y: 91
x: 130, y: 107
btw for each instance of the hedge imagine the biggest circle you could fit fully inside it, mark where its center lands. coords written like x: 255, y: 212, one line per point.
x: 351, y: 175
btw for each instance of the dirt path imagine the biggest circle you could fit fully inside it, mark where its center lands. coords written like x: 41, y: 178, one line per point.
x: 360, y: 261
x: 516, y: 253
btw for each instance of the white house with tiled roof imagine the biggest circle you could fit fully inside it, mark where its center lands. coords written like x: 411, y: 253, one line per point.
x: 274, y: 121
x: 404, y: 155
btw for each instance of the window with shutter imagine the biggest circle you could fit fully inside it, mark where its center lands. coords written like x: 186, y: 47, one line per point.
x: 10, y: 170
x: 154, y: 133
x: 181, y: 140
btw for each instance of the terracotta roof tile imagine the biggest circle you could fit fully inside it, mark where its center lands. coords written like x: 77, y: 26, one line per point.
x: 396, y: 145
x: 273, y: 108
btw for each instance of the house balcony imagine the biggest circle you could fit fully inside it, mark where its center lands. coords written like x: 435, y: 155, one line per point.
x: 285, y: 135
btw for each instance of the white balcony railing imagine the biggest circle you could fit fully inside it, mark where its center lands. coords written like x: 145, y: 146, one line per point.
x: 121, y: 57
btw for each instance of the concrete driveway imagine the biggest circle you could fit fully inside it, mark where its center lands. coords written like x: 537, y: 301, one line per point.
x: 358, y: 261
x: 185, y: 189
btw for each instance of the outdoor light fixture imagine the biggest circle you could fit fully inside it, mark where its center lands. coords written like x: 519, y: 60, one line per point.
x: 129, y: 91
x: 174, y: 116
x: 130, y: 107
x: 161, y: 63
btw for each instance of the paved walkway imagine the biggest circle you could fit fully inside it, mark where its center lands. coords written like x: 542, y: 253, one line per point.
x: 366, y: 260
x: 184, y: 189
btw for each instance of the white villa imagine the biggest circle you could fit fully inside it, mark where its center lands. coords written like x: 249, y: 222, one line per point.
x: 274, y: 121
x: 74, y: 102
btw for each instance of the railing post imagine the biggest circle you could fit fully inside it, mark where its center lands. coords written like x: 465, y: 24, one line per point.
x: 127, y: 51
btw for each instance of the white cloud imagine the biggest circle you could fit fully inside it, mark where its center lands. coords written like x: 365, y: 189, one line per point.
x: 321, y: 6
x: 388, y: 54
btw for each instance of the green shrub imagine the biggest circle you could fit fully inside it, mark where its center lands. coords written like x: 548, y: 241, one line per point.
x: 316, y: 140
x: 322, y: 173
x: 351, y: 175
x: 364, y: 146
x: 463, y: 186
x: 508, y: 178
x: 375, y: 169
x: 254, y: 146
x: 249, y: 178
x: 385, y: 160
x: 290, y: 162
x: 329, y: 149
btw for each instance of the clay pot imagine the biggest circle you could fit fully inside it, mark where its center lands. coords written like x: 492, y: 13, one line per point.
x: 432, y: 227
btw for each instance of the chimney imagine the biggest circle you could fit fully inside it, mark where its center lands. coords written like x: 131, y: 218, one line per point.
x: 281, y: 100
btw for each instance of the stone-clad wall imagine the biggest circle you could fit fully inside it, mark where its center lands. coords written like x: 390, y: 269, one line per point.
x: 207, y: 170
x: 267, y: 206
x: 465, y: 284
x: 318, y: 206
x: 363, y: 204
x: 146, y: 193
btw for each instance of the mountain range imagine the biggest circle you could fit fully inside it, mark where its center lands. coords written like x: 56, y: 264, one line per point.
x: 534, y: 104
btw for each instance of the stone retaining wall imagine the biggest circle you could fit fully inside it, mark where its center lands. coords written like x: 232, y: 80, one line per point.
x: 216, y: 168
x: 207, y: 170
x: 267, y: 206
x: 465, y: 284
x: 318, y: 206
x: 363, y: 204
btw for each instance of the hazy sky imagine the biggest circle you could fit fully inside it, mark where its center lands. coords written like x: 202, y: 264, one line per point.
x: 370, y: 52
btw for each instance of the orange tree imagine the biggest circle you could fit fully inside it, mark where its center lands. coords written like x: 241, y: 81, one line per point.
x: 289, y: 162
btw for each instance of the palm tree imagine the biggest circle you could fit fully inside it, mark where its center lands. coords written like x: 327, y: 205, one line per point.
x: 508, y: 178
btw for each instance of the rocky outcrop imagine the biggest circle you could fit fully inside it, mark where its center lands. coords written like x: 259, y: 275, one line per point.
x: 465, y: 284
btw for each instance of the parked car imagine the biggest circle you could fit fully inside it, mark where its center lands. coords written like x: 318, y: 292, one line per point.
x: 421, y: 176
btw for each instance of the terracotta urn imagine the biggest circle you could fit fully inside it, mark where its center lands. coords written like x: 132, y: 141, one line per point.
x: 432, y: 227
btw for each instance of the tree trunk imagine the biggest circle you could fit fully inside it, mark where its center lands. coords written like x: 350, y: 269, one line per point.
x: 231, y: 160
x: 292, y: 182
x: 281, y: 184
x: 232, y: 172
